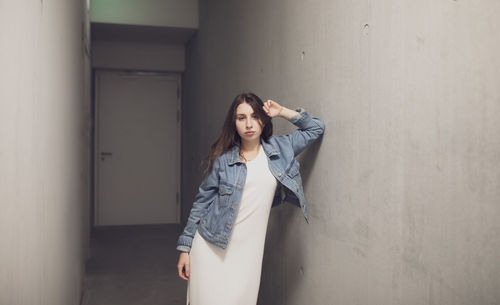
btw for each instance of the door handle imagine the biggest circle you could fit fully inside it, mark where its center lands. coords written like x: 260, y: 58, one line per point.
x: 104, y: 154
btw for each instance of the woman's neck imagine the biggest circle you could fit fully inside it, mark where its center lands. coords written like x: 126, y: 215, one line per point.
x: 250, y: 146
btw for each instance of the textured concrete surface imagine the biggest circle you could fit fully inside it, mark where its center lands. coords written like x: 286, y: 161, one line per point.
x: 404, y: 188
x: 131, y: 265
x: 44, y: 172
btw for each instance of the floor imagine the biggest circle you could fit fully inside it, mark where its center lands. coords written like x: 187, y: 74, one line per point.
x: 134, y: 265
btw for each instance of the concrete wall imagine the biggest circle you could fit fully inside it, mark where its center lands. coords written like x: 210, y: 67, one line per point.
x: 43, y: 143
x: 137, y: 56
x: 87, y: 129
x: 404, y: 188
x: 168, y: 13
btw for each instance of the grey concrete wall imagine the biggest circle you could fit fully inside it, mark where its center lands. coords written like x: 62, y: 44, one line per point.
x: 404, y: 187
x: 43, y: 152
x: 87, y: 129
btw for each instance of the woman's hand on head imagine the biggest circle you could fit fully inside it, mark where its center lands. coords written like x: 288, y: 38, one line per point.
x: 271, y: 108
x: 183, y: 267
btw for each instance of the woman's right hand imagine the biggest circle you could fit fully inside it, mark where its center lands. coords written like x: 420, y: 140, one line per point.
x: 183, y: 265
x: 271, y: 108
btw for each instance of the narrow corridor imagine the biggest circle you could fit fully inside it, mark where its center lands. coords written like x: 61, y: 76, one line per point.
x: 402, y: 190
x: 131, y: 265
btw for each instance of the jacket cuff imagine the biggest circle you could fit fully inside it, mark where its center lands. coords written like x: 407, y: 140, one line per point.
x: 184, y: 243
x: 184, y: 249
x: 300, y: 116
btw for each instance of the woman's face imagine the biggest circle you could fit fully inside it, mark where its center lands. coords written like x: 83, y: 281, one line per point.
x: 248, y: 125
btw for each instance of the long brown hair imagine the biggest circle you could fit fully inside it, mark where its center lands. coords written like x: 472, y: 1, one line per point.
x: 229, y: 136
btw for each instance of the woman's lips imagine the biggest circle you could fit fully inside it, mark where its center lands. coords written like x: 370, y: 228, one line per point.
x: 249, y: 133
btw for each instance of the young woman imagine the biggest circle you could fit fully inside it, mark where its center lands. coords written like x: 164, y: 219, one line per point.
x: 249, y: 170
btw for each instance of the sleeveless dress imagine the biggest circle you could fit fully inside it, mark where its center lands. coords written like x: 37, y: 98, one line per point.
x: 231, y: 276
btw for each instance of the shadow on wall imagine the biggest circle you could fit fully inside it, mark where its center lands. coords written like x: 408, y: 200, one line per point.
x: 282, y: 271
x: 306, y: 160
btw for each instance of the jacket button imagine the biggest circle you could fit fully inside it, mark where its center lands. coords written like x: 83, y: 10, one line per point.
x: 279, y: 174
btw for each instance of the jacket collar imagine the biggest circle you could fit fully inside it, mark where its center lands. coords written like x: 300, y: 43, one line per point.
x: 234, y: 152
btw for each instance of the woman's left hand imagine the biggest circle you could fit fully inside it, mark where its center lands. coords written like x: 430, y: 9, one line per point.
x: 271, y: 108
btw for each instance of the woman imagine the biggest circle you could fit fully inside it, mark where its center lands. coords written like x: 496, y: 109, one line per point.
x: 248, y: 171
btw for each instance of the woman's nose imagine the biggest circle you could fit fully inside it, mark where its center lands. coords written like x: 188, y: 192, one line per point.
x: 249, y: 123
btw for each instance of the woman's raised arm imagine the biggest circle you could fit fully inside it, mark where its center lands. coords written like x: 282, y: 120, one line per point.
x: 309, y: 128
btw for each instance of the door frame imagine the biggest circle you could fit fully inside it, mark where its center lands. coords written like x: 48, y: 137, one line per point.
x: 95, y: 135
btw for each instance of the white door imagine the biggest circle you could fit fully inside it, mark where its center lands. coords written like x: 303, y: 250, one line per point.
x: 137, y: 148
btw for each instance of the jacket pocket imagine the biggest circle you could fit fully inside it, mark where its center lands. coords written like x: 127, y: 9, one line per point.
x: 225, y: 191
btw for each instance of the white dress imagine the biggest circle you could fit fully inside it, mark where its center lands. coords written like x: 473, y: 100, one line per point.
x: 231, y: 276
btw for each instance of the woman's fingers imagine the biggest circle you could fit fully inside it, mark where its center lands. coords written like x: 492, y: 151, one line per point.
x: 183, y: 266
x: 268, y: 107
x: 179, y: 269
x: 182, y: 273
x: 272, y: 108
x: 186, y: 266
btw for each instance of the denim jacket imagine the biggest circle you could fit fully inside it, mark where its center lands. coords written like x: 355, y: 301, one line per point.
x: 216, y: 204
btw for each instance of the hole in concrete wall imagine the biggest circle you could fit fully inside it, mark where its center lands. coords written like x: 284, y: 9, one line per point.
x: 302, y: 55
x: 366, y: 29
